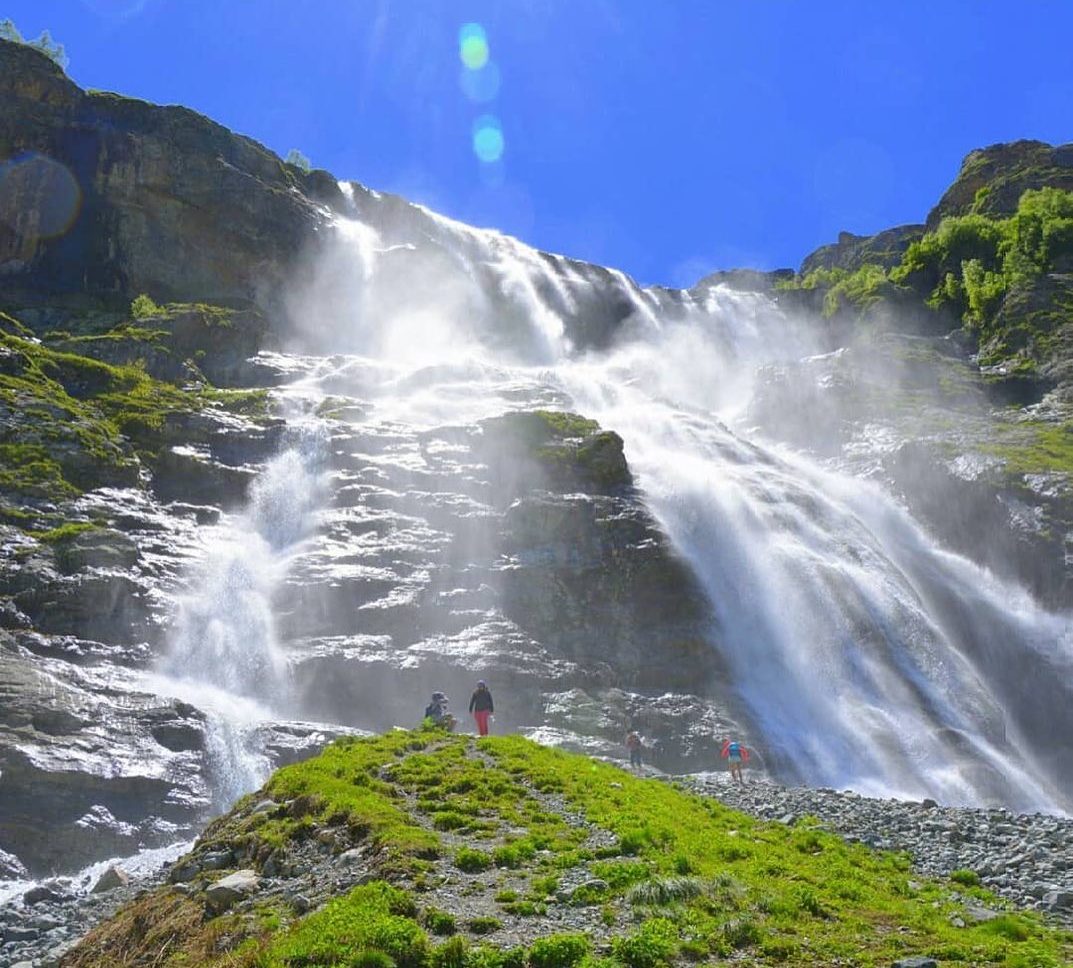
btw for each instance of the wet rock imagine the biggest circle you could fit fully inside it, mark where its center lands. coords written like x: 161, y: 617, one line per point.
x: 11, y: 868
x: 42, y: 893
x: 228, y: 891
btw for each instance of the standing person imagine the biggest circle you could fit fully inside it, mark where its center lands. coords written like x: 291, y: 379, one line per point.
x: 481, y: 705
x: 735, y: 754
x: 634, y: 745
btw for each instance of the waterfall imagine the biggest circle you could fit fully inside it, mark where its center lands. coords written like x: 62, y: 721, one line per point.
x: 867, y: 655
x: 223, y: 654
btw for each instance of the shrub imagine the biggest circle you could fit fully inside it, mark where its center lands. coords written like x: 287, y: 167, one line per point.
x: 741, y: 932
x: 558, y: 951
x: 450, y: 954
x: 472, y: 861
x: 143, y: 307
x: 620, y: 874
x: 967, y: 877
x: 299, y: 160
x: 665, y: 890
x: 44, y: 43
x: 513, y: 855
x: 483, y: 925
x: 354, y: 924
x: 439, y: 922
x: 371, y: 959
x: 653, y: 944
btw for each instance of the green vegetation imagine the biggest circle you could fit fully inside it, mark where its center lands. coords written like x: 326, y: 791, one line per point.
x: 43, y: 42
x: 971, y: 266
x: 472, y: 861
x: 764, y: 893
x: 440, y: 922
x: 73, y: 422
x: 143, y: 307
x: 558, y: 951
x: 373, y: 917
x: 967, y: 877
x: 1033, y: 447
x: 299, y: 160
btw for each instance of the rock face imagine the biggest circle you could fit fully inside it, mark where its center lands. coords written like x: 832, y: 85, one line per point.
x: 113, y: 196
x: 992, y: 180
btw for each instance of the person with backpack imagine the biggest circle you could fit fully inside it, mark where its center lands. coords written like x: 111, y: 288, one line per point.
x: 634, y: 745
x: 482, y: 707
x: 736, y: 756
x: 438, y: 712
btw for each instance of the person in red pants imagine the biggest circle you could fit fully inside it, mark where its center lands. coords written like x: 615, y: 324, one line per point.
x: 481, y: 705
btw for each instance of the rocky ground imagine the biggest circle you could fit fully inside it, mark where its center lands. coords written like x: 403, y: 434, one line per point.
x: 1026, y: 860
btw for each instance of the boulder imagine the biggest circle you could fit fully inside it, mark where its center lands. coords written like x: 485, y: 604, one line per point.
x: 111, y: 879
x: 228, y: 891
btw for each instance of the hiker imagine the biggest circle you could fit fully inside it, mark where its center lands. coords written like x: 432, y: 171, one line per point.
x: 482, y: 707
x: 438, y: 712
x: 735, y: 754
x: 634, y: 745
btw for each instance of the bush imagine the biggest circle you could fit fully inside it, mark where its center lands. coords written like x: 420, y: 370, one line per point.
x: 652, y: 945
x: 439, y: 922
x: 742, y: 932
x: 558, y: 951
x: 665, y: 890
x: 967, y: 877
x: 143, y: 307
x: 472, y: 861
x: 371, y: 959
x: 44, y: 43
x: 450, y: 954
x: 483, y: 925
x: 299, y: 160
x: 513, y: 855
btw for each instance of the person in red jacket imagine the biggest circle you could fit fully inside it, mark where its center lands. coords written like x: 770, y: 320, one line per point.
x: 482, y: 707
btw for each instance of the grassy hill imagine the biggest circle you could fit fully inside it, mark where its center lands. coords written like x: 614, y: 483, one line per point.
x: 426, y: 850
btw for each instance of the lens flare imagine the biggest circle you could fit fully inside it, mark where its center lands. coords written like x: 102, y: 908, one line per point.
x: 39, y: 199
x: 488, y: 141
x: 473, y: 46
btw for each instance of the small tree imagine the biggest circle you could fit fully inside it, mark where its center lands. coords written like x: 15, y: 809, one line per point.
x: 143, y: 307
x: 44, y: 43
x: 296, y: 158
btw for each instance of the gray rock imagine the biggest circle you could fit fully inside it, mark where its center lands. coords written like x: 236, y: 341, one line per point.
x: 215, y: 860
x: 1058, y: 900
x: 228, y: 891
x: 183, y: 872
x: 111, y: 879
x: 264, y: 806
x: 43, y: 892
x: 917, y: 961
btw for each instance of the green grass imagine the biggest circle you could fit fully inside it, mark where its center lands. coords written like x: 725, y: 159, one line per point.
x: 705, y: 882
x: 1034, y: 447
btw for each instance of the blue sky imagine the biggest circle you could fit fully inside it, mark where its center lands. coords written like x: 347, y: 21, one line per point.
x: 662, y: 137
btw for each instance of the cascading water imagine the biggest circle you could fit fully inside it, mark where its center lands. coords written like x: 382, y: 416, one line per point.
x: 867, y: 656
x: 224, y: 654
